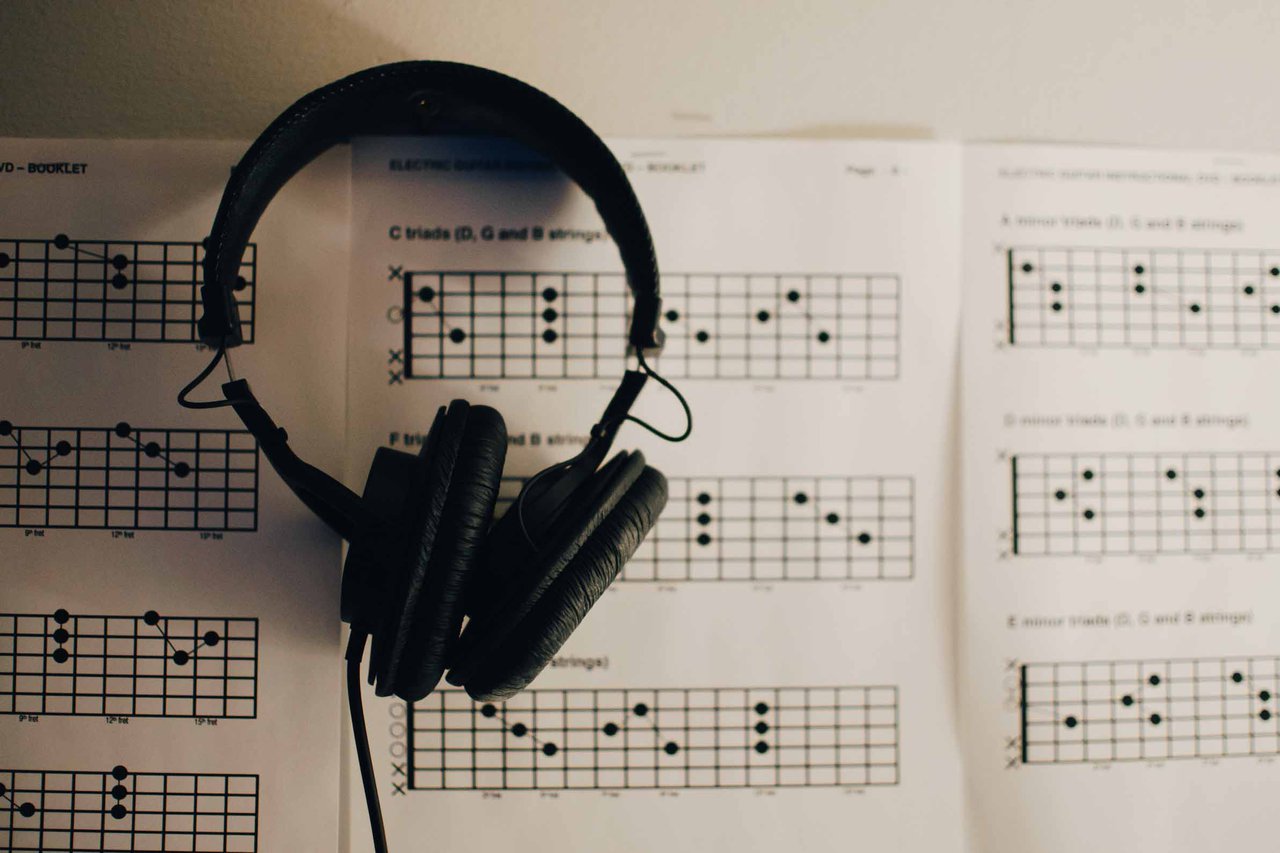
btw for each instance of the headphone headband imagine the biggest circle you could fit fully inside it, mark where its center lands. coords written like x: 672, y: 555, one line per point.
x: 419, y: 98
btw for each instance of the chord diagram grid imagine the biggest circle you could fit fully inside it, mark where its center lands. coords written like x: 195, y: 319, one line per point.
x: 658, y: 738
x: 137, y: 291
x: 775, y: 529
x: 1146, y: 503
x: 124, y: 477
x: 76, y: 811
x: 573, y: 325
x: 1144, y: 298
x: 151, y: 665
x: 1151, y: 710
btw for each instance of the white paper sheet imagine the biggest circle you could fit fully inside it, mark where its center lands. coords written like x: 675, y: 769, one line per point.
x: 1122, y: 309
x: 776, y: 675
x: 200, y: 650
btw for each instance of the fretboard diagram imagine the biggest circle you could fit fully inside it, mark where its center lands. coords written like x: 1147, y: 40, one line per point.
x: 1146, y: 503
x: 127, y: 477
x: 775, y: 529
x: 573, y: 325
x: 1144, y: 298
x: 65, y: 289
x: 75, y: 811
x: 663, y: 738
x: 151, y: 665
x: 1152, y: 710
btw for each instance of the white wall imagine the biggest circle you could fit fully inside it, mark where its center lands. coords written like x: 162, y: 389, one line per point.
x: 1189, y: 74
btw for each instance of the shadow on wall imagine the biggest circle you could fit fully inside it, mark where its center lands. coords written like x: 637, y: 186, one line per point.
x: 148, y: 69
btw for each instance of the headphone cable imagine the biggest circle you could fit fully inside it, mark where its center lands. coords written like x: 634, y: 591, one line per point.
x: 355, y: 653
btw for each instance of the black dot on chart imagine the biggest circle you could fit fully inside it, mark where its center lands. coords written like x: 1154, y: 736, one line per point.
x: 151, y: 617
x: 152, y: 449
x: 1139, y: 269
x: 550, y: 315
x: 1248, y: 290
x: 549, y: 749
x: 704, y: 498
x: 181, y: 469
x: 1264, y: 714
x: 1237, y: 677
x: 119, y: 281
x: 62, y: 448
x: 123, y: 429
x: 704, y: 519
x: 33, y: 467
x: 1057, y: 306
x: 864, y: 538
x: 519, y: 730
x: 1138, y: 288
x: 672, y: 315
x: 1060, y: 495
x: 823, y: 337
x: 1171, y: 474
x: 181, y: 658
x: 1199, y: 513
x: 61, y: 635
x: 211, y: 638
x: 610, y: 729
x: 762, y: 727
x: 1275, y: 309
x: 1088, y: 515
x: 671, y: 748
x: 793, y: 296
x: 457, y: 336
x: 1070, y: 722
x: 4, y: 260
x: 60, y: 656
x: 801, y: 498
x: 3, y: 789
x: 550, y: 336
x: 762, y: 747
x: 119, y: 792
x: 119, y: 772
x: 1088, y: 474
x: 6, y: 428
x: 832, y: 518
x: 702, y: 337
x: 762, y: 708
x: 26, y: 809
x: 488, y: 711
x: 61, y: 616
x: 1275, y: 271
x: 1195, y: 308
x: 1027, y: 267
x: 426, y: 294
x: 550, y: 294
x: 762, y: 316
x: 1154, y: 681
x: 703, y: 539
x: 641, y: 709
x: 1199, y: 493
x: 1265, y: 695
x: 118, y: 811
x: 1056, y: 287
x: 1126, y: 701
x: 119, y: 262
x: 61, y: 241
x: 240, y: 284
x: 1155, y: 719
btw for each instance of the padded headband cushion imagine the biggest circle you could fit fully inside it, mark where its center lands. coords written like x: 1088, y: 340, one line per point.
x: 417, y: 98
x: 468, y: 510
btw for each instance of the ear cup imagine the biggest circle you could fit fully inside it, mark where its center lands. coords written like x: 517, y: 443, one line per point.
x: 501, y: 654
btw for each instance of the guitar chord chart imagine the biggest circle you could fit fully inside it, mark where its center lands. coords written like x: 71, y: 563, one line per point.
x: 75, y: 811
x: 573, y: 325
x: 657, y: 738
x: 1144, y: 298
x: 1146, y: 503
x: 136, y: 291
x: 775, y: 529
x: 151, y: 665
x: 1152, y: 710
x: 126, y: 477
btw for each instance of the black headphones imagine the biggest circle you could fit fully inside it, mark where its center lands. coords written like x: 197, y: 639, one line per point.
x: 424, y: 551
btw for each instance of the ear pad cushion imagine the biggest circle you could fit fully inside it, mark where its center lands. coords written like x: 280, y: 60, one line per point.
x: 522, y: 637
x: 468, y: 511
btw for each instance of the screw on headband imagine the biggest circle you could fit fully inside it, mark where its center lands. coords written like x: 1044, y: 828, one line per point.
x: 418, y: 98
